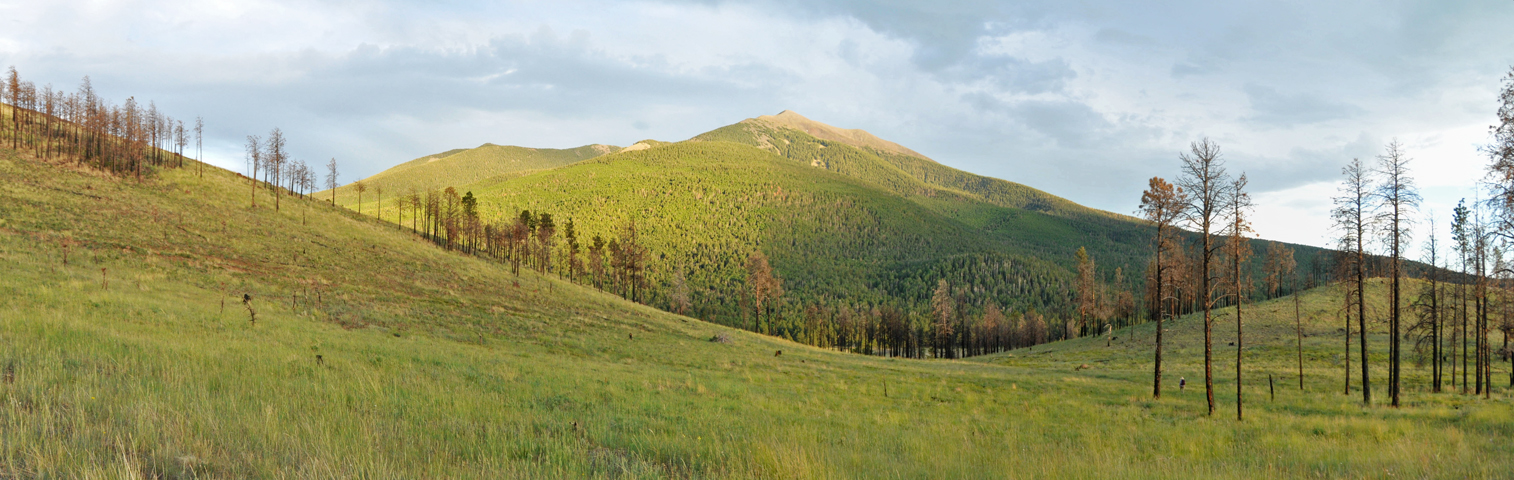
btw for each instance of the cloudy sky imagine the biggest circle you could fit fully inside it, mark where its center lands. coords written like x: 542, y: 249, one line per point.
x: 1084, y: 99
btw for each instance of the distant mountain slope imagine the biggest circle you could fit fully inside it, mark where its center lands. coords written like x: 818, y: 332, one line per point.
x: 862, y: 155
x: 464, y: 166
x: 1032, y: 221
x: 854, y: 137
x: 855, y: 219
x: 703, y: 207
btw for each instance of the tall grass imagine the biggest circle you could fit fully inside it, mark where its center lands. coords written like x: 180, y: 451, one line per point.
x: 436, y: 365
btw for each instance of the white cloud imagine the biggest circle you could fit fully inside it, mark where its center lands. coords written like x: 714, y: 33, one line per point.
x: 1086, y: 101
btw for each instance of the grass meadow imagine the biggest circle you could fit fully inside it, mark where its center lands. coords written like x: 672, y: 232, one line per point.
x: 136, y: 358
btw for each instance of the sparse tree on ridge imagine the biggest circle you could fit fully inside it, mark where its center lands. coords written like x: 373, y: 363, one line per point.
x: 634, y: 262
x: 546, y: 231
x: 277, y: 157
x: 400, y: 202
x: 13, y: 89
x: 254, y: 150
x: 470, y: 216
x: 200, y: 146
x: 449, y: 212
x: 526, y: 222
x: 331, y: 180
x: 1207, y: 184
x: 597, y: 260
x: 360, y: 187
x: 574, y: 264
x: 181, y: 140
x: 1398, y: 198
x: 1162, y: 204
x: 1352, y: 215
x: 519, y: 238
x: 378, y: 191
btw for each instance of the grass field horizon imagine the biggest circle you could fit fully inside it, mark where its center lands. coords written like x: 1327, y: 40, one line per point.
x: 137, y: 358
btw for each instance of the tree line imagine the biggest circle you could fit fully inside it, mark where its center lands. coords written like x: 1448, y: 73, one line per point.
x: 535, y: 240
x: 122, y: 139
x: 1200, y: 252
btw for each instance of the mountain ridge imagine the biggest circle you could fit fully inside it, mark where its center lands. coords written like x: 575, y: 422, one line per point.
x: 854, y: 137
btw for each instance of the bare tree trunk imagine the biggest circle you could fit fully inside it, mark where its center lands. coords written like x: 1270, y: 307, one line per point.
x: 1361, y: 315
x: 1348, y: 339
x: 1298, y: 320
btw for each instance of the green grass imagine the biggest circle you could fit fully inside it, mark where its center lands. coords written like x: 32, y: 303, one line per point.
x: 461, y: 167
x: 439, y: 366
x: 1441, y: 435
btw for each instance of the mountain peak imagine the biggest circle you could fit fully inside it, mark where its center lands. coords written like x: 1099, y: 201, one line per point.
x: 853, y: 137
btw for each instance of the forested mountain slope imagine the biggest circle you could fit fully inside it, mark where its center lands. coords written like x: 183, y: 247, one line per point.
x: 703, y: 207
x: 1035, y: 221
x: 850, y: 224
x: 465, y: 166
x: 860, y: 154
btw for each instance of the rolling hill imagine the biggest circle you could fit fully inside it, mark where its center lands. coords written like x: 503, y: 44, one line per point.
x: 377, y: 354
x: 154, y: 324
x: 465, y: 166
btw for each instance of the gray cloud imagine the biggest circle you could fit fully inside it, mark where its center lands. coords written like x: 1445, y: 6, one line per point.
x: 1014, y: 75
x: 1271, y: 107
x: 1302, y: 166
x: 1096, y: 93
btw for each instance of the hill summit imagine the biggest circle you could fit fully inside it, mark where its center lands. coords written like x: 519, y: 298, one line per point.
x: 854, y: 137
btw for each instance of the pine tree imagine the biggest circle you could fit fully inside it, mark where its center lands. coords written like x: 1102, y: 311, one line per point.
x: 1398, y: 198
x: 943, y: 315
x: 1162, y: 204
x: 254, y: 150
x: 331, y: 179
x: 1238, y: 246
x: 276, y: 158
x: 1206, y: 182
x: 1352, y: 217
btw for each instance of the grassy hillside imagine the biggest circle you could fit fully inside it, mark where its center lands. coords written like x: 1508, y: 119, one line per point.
x: 898, y: 169
x: 443, y: 366
x: 432, y: 364
x: 1270, y: 348
x: 465, y: 166
x: 1433, y: 435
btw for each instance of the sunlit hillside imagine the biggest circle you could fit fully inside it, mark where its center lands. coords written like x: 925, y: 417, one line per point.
x: 376, y: 354
x: 464, y: 166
